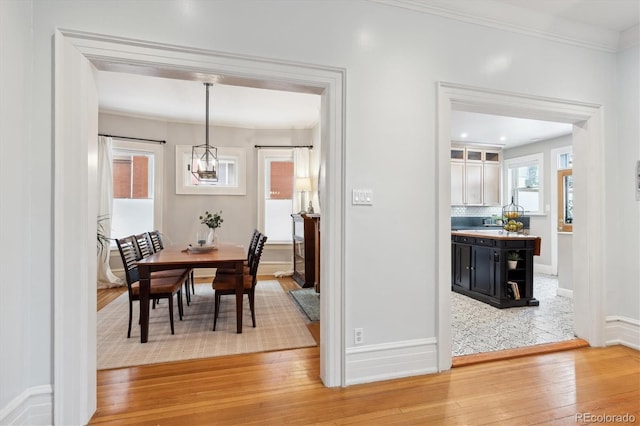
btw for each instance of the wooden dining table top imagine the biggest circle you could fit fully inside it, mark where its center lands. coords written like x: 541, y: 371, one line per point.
x: 179, y: 255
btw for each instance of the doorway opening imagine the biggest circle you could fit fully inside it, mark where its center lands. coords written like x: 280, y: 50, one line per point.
x: 77, y: 55
x: 496, y: 160
x: 587, y: 143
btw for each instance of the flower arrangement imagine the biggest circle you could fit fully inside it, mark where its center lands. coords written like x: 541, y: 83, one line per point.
x: 213, y: 221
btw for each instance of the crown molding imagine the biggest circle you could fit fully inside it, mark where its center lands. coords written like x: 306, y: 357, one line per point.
x: 506, y: 17
x: 629, y: 38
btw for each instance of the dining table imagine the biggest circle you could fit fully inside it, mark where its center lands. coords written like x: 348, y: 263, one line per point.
x: 224, y: 255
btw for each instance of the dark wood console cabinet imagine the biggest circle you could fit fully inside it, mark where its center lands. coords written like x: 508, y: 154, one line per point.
x: 306, y: 250
x: 479, y: 268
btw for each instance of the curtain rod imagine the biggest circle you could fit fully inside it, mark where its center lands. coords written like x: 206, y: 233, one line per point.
x: 283, y: 146
x: 134, y: 139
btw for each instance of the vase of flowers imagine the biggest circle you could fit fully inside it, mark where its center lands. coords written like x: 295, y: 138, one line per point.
x: 213, y: 222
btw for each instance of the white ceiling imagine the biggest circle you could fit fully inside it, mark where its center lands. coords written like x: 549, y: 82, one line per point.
x: 185, y: 101
x: 181, y: 100
x: 505, y: 132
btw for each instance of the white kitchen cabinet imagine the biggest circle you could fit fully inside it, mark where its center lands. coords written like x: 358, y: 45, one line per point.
x: 474, y: 184
x: 475, y: 177
x: 457, y: 182
x: 491, y: 184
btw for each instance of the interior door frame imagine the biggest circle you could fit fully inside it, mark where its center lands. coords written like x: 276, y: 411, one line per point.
x: 129, y: 55
x: 588, y: 232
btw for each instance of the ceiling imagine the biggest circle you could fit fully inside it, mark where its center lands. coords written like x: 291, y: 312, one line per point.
x: 500, y: 131
x: 182, y: 100
x: 172, y: 99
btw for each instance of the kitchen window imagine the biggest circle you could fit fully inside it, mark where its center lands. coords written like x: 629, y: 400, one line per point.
x: 524, y: 182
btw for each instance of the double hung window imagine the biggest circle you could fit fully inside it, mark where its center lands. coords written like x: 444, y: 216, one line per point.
x: 524, y: 182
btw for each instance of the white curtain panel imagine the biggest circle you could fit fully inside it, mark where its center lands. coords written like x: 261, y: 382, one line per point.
x: 106, y: 278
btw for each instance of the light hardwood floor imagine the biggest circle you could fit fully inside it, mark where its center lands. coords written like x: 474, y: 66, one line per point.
x: 283, y: 388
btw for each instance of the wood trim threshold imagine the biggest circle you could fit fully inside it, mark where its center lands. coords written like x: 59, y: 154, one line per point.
x: 464, y: 360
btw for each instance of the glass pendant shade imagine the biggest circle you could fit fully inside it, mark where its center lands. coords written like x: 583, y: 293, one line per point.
x: 204, y: 159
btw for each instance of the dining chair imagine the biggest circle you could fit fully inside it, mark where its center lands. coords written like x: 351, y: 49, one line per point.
x: 161, y: 287
x: 144, y: 244
x: 147, y: 247
x: 225, y: 284
x: 156, y: 242
x: 250, y: 252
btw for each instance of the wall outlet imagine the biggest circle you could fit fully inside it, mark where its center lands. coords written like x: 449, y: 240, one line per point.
x: 358, y: 336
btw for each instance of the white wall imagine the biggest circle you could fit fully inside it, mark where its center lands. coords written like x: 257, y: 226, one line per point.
x: 623, y: 211
x: 25, y: 258
x: 393, y: 57
x: 541, y: 225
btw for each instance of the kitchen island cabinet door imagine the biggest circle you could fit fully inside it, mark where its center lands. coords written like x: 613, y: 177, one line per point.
x: 462, y: 265
x: 482, y: 270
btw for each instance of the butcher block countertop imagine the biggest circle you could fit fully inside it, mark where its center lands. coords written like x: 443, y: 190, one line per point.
x: 493, y: 233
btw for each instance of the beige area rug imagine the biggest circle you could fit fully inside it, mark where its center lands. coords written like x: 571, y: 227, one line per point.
x: 279, y: 325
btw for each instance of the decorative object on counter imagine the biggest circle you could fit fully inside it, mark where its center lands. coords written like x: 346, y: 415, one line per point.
x: 205, y: 157
x: 510, y: 213
x: 213, y: 221
x: 512, y: 259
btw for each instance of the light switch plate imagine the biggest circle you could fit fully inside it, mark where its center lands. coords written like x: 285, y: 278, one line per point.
x: 362, y: 197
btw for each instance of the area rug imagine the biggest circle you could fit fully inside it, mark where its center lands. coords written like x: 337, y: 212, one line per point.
x: 279, y: 325
x: 309, y: 302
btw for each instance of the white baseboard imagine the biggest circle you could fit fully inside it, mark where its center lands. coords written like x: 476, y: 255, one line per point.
x: 622, y: 331
x: 372, y: 363
x: 34, y: 406
x: 270, y: 268
x: 543, y: 269
x: 564, y: 292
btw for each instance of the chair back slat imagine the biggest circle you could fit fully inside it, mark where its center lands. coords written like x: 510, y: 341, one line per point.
x: 156, y: 240
x: 144, y: 244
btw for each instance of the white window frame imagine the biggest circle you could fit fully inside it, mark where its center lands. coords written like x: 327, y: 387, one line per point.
x: 263, y: 156
x: 237, y: 155
x: 158, y: 172
x: 527, y: 160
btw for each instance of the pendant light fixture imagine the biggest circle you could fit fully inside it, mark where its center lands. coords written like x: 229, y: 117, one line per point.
x: 204, y: 158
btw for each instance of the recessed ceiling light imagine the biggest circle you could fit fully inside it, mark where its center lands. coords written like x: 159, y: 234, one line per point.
x: 503, y: 138
x: 463, y: 135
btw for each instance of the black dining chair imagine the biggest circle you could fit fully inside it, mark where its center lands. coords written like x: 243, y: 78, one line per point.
x: 225, y: 284
x: 151, y: 242
x: 156, y: 243
x: 250, y: 252
x: 161, y: 287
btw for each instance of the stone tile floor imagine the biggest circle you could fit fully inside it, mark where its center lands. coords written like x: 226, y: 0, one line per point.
x: 477, y: 327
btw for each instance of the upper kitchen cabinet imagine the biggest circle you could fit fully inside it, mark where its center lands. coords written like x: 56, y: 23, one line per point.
x: 475, y: 176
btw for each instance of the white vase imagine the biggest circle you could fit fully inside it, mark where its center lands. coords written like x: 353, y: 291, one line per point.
x: 212, y: 238
x: 513, y: 264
